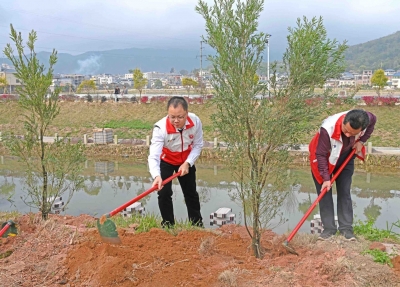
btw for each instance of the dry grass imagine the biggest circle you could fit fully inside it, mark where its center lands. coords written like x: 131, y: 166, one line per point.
x: 78, y: 118
x: 207, y: 246
x: 228, y: 278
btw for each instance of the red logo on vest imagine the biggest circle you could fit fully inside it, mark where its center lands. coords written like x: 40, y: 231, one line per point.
x: 191, y: 136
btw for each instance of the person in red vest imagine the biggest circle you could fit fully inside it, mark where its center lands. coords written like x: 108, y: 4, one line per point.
x: 175, y: 146
x: 337, y: 136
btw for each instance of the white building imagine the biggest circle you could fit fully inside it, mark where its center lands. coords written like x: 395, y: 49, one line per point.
x: 128, y: 76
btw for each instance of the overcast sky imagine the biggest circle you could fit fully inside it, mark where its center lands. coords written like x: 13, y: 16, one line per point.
x: 77, y: 26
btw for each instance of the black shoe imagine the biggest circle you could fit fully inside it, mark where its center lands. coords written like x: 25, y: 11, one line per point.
x: 325, y: 235
x: 349, y: 235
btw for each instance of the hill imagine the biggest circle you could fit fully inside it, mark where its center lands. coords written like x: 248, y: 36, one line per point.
x: 380, y: 53
x: 120, y: 61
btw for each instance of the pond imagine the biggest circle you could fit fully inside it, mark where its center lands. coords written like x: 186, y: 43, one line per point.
x: 109, y: 184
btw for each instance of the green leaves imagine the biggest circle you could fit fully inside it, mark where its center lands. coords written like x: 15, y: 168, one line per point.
x: 311, y: 58
x: 51, y: 170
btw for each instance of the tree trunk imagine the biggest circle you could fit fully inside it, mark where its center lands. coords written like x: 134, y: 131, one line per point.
x: 45, y: 209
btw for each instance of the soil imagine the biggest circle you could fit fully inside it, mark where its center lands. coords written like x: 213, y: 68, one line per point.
x: 68, y: 251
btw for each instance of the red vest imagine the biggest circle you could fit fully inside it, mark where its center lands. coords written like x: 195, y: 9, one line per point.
x: 333, y: 125
x: 178, y: 145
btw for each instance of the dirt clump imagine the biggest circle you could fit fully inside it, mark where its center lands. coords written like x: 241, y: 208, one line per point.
x: 68, y: 251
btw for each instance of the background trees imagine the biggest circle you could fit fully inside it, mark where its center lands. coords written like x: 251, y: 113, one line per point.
x: 189, y: 83
x: 139, y: 82
x: 379, y: 80
x: 87, y: 87
x: 3, y: 82
x: 259, y: 131
x: 51, y: 170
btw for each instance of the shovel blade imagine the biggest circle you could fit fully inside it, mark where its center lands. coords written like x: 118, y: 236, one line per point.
x: 108, y: 231
x: 289, y: 248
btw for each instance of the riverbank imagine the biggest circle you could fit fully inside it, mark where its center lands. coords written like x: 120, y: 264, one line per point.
x: 67, y: 250
x: 135, y: 121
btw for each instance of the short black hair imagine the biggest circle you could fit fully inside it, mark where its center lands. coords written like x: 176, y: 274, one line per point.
x: 357, y: 119
x: 176, y: 101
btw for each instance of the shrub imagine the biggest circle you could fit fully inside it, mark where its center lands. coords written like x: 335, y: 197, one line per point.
x: 369, y: 100
x: 313, y: 102
x: 103, y: 99
x: 134, y: 99
x: 89, y: 98
x: 388, y: 101
x: 8, y: 97
x: 144, y: 99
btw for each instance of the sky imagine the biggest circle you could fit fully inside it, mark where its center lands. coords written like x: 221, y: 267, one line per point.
x: 78, y: 26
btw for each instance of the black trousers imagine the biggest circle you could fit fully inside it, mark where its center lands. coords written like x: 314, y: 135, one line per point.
x: 344, y: 202
x: 188, y: 185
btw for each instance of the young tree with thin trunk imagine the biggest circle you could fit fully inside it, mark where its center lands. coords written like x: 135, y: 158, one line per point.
x: 259, y: 131
x: 52, y: 170
x: 3, y: 82
x: 87, y: 86
x: 189, y: 83
x: 139, y: 82
x: 379, y: 80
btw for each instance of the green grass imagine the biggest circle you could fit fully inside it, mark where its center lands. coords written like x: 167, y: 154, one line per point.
x: 149, y: 221
x: 132, y: 124
x: 136, y: 121
x: 368, y: 230
x: 379, y: 256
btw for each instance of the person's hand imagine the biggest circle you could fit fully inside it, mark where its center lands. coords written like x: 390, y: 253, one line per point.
x: 326, y: 184
x: 158, y: 182
x: 358, y: 146
x: 184, y: 168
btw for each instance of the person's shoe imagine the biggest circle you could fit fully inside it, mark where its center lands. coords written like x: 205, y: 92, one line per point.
x: 324, y: 236
x: 349, y: 235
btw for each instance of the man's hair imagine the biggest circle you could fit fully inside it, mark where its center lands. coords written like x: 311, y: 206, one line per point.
x: 176, y: 101
x: 357, y: 119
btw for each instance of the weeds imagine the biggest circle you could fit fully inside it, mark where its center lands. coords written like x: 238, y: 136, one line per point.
x: 144, y: 223
x: 379, y: 256
x: 368, y: 230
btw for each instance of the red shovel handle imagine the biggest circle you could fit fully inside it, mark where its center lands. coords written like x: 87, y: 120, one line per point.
x: 5, y: 228
x: 321, y: 195
x: 133, y: 200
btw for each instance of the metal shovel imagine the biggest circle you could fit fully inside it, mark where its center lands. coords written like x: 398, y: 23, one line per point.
x: 107, y: 228
x: 321, y: 195
x: 8, y: 229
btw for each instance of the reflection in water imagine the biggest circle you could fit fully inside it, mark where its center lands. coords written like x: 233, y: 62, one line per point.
x: 7, y: 189
x: 107, y: 187
x: 372, y: 211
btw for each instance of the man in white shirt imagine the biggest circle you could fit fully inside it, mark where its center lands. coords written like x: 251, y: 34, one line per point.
x: 175, y: 146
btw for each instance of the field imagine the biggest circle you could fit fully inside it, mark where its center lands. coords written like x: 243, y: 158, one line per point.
x: 130, y: 120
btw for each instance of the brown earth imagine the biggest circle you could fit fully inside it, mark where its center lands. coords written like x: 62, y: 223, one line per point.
x: 68, y: 251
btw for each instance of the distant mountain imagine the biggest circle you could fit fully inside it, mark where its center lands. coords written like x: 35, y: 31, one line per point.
x: 122, y: 60
x: 380, y: 53
x: 383, y: 52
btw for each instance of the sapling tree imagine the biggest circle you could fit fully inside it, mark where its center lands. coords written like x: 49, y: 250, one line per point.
x: 258, y: 131
x: 52, y: 170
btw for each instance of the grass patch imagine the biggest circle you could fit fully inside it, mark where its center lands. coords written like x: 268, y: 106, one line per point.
x: 149, y: 221
x: 369, y: 231
x: 144, y: 223
x: 379, y: 256
x: 132, y: 124
x: 80, y: 118
x: 4, y: 216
